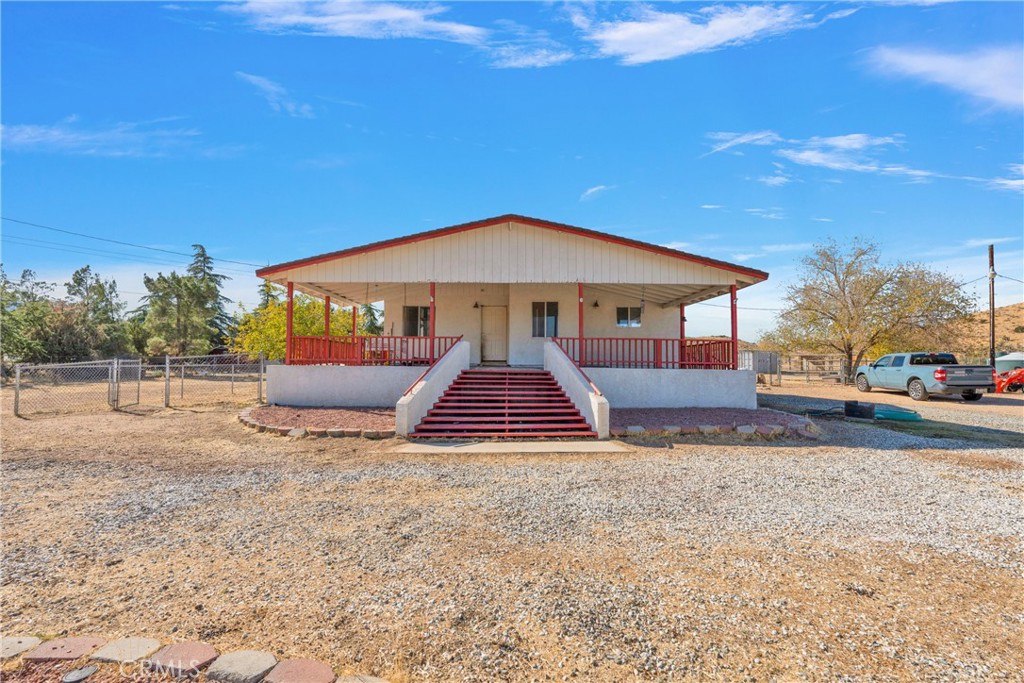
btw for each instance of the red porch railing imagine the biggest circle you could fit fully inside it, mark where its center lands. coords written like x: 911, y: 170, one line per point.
x: 638, y: 353
x: 369, y: 350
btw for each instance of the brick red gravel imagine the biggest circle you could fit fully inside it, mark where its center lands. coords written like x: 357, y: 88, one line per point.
x: 658, y: 418
x: 326, y: 418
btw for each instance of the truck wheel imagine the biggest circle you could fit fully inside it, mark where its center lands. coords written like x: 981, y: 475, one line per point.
x: 972, y: 397
x: 862, y: 383
x: 917, y: 391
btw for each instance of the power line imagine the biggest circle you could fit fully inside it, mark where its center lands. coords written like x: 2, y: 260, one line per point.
x: 1009, y: 278
x: 743, y: 308
x: 89, y: 251
x: 126, y: 244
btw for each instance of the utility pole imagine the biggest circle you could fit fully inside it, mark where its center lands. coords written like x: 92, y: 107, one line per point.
x: 992, y: 305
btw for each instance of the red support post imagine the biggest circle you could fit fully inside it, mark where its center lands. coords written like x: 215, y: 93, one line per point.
x: 355, y: 320
x: 579, y: 292
x: 735, y: 333
x: 682, y: 335
x: 289, y: 309
x: 432, y: 321
x: 327, y: 318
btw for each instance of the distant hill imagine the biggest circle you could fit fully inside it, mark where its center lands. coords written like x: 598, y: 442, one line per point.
x: 973, y: 332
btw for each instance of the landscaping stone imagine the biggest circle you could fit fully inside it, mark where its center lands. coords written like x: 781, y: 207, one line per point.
x: 260, y: 427
x: 765, y: 430
x: 708, y: 429
x: 672, y: 429
x: 126, y: 650
x: 746, y: 430
x: 297, y: 433
x: 182, y: 659
x: 352, y: 432
x: 387, y: 433
x: 300, y: 671
x: 635, y: 429
x: 690, y: 430
x: 64, y: 648
x: 282, y: 431
x: 317, y: 433
x: 371, y: 434
x: 12, y: 646
x: 244, y: 666
x: 617, y: 431
x: 725, y: 429
x: 335, y: 432
x: 808, y: 434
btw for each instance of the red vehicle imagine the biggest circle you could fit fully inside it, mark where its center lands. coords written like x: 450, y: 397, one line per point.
x: 1010, y: 381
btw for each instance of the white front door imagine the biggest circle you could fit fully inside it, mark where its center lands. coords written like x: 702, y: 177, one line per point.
x: 493, y: 334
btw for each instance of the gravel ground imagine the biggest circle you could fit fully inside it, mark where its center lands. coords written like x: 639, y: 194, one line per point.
x: 658, y: 418
x: 326, y: 418
x: 868, y: 556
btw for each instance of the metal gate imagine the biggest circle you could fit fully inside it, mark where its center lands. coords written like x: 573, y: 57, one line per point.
x: 91, y: 386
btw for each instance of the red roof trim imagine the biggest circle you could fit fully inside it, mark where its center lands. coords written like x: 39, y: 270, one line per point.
x: 526, y: 220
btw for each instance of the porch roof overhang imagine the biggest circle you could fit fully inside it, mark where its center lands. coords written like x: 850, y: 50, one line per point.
x: 513, y: 249
x: 358, y: 293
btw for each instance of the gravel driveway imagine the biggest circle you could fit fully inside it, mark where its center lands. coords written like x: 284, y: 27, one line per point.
x: 869, y: 556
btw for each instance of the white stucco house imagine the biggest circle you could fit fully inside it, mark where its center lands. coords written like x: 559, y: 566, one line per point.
x: 605, y: 315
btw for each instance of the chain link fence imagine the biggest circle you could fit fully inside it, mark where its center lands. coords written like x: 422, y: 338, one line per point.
x: 171, y: 381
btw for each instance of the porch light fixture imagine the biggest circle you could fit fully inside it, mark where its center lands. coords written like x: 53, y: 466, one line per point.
x: 476, y: 304
x: 595, y: 304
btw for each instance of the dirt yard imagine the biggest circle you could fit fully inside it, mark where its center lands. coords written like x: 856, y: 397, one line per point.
x: 871, y: 555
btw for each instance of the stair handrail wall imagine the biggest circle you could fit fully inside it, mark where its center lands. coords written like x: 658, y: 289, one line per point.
x: 422, y: 394
x: 584, y: 394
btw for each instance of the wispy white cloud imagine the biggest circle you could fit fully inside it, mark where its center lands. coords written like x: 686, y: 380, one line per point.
x: 994, y: 75
x: 711, y: 206
x: 724, y: 140
x: 854, y: 152
x: 377, y: 20
x: 774, y: 214
x: 508, y: 46
x: 277, y: 96
x: 123, y: 139
x: 985, y: 241
x: 678, y: 246
x: 778, y: 178
x: 594, y: 192
x: 778, y: 248
x: 1014, y: 183
x: 740, y: 258
x: 823, y: 220
x: 650, y: 35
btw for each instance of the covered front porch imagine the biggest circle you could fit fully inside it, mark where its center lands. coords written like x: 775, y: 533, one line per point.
x: 596, y: 325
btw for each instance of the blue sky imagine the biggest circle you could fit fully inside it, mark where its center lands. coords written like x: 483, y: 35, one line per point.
x: 274, y: 131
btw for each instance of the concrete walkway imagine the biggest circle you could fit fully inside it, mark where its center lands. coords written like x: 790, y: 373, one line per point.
x: 513, y: 447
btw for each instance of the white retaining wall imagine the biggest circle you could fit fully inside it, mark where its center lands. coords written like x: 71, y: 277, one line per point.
x: 412, y: 407
x: 593, y: 406
x: 627, y: 388
x: 338, y: 386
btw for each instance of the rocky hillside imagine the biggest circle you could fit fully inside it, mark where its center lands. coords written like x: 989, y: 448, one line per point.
x: 973, y: 332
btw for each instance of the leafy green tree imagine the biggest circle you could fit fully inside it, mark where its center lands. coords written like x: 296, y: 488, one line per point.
x: 25, y: 317
x: 102, y: 310
x: 179, y: 315
x: 211, y: 284
x: 263, y: 330
x: 269, y: 292
x: 369, y: 320
x: 848, y: 301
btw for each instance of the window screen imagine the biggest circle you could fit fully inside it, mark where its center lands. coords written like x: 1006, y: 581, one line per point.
x: 545, y: 318
x: 416, y: 321
x: 627, y: 316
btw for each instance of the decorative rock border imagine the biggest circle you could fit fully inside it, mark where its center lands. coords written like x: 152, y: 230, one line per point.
x: 246, y: 418
x: 181, y: 659
x: 804, y: 429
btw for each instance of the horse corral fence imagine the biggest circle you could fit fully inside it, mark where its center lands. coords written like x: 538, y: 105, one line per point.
x: 120, y: 383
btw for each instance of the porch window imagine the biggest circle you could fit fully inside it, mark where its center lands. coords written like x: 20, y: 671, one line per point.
x: 416, y: 321
x: 628, y: 316
x: 545, y: 318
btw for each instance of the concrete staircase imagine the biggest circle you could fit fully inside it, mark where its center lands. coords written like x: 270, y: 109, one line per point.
x: 496, y: 403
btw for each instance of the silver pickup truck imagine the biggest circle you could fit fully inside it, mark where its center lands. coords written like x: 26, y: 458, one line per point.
x: 922, y: 374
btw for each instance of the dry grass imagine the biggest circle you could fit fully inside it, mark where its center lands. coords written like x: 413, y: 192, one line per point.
x: 983, y: 461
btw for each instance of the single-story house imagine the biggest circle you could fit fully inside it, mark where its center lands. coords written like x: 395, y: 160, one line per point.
x: 548, y: 309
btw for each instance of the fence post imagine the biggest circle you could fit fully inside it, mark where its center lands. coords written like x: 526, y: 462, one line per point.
x: 233, y: 376
x: 167, y: 381
x: 182, y: 380
x: 259, y: 381
x: 115, y: 384
x: 17, y: 389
